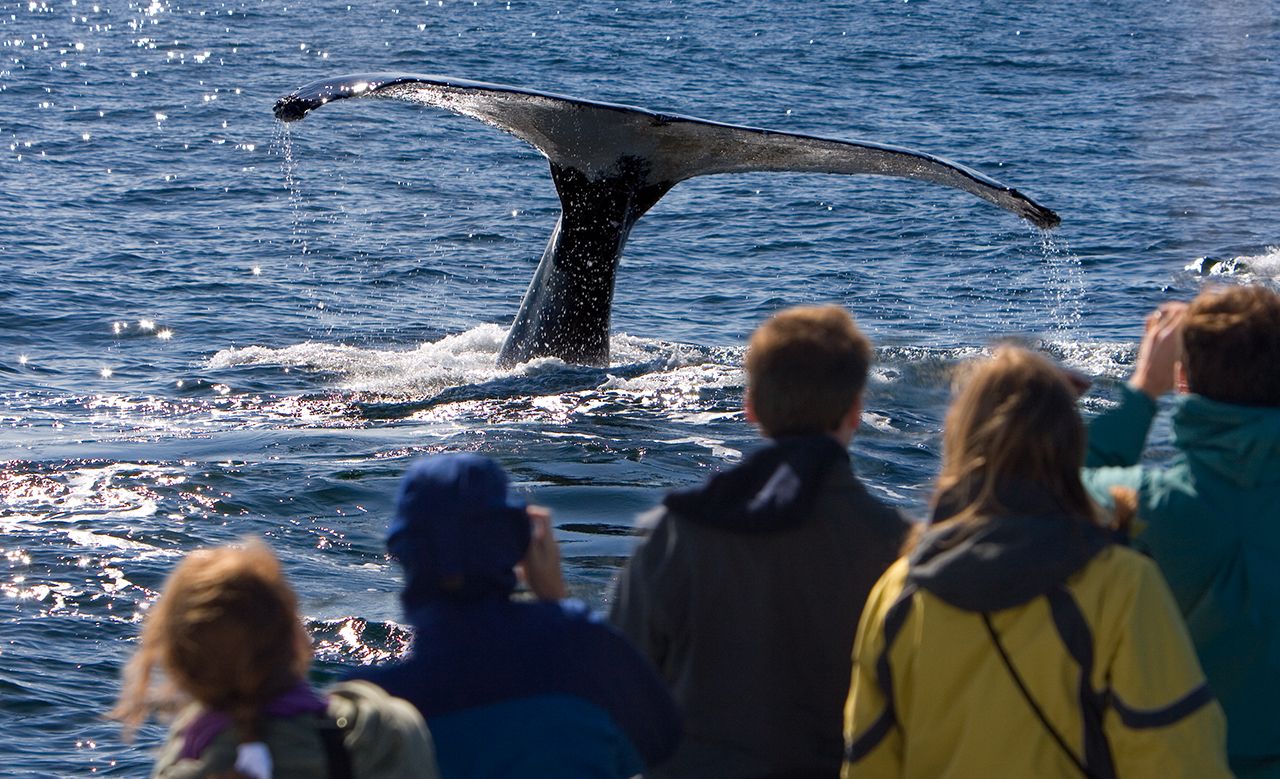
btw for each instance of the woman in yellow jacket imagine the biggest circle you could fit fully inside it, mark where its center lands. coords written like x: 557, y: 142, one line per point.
x: 1017, y: 640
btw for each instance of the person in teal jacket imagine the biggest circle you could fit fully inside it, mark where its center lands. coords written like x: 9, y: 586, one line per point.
x: 1211, y: 518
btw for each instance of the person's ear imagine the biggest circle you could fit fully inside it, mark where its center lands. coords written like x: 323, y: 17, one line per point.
x: 748, y: 407
x: 849, y: 423
x: 303, y: 649
x: 853, y: 419
x: 1181, y: 373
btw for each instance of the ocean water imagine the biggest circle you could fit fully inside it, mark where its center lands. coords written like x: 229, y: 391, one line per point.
x: 213, y: 325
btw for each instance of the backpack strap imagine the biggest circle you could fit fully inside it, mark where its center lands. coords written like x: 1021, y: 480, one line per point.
x: 1022, y: 687
x: 1078, y: 638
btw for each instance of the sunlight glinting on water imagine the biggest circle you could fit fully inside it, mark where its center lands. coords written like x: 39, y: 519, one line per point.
x: 216, y: 324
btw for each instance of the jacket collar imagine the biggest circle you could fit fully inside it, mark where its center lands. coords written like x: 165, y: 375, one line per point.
x: 772, y: 489
x: 1009, y: 559
x: 209, y: 724
x: 1239, y: 444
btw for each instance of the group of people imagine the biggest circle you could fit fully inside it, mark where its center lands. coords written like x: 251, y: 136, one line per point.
x: 1064, y: 611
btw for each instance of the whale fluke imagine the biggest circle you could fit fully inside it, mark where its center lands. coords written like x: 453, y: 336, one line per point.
x: 610, y: 164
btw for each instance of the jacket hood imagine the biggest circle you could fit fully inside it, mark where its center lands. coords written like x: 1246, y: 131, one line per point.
x: 1008, y: 560
x: 1239, y: 444
x: 772, y: 489
x: 455, y: 532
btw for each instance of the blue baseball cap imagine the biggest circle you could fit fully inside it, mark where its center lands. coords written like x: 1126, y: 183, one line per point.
x: 456, y: 532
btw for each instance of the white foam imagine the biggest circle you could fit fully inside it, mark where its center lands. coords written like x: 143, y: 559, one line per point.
x: 118, y: 490
x: 465, y: 358
x: 1244, y: 266
x: 717, y: 447
x: 471, y: 358
x: 91, y: 540
x: 1267, y: 264
x: 1096, y: 358
x: 877, y: 421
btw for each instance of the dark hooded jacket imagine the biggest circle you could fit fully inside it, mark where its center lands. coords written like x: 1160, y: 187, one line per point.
x: 746, y: 595
x: 510, y: 689
x: 1089, y: 627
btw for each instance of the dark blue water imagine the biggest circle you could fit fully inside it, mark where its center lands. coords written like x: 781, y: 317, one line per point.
x: 211, y: 326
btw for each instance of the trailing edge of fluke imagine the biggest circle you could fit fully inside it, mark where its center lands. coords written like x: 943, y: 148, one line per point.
x: 612, y: 163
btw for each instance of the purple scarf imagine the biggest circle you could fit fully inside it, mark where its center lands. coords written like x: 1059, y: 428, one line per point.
x: 205, y: 728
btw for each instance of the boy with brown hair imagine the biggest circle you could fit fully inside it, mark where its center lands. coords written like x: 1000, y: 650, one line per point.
x: 1211, y: 519
x: 748, y: 590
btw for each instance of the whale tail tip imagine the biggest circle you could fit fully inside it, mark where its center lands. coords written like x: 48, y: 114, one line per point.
x: 1046, y: 219
x: 1033, y: 212
x: 291, y: 108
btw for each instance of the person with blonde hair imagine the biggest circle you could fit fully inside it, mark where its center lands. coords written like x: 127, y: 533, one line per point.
x: 746, y: 593
x: 1210, y: 517
x: 1018, y: 639
x: 228, y: 647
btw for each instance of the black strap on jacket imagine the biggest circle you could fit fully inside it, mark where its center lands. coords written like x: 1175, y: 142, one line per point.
x: 1044, y: 720
x: 335, y: 751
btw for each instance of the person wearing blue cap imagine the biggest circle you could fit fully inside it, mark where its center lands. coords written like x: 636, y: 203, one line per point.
x: 511, y: 688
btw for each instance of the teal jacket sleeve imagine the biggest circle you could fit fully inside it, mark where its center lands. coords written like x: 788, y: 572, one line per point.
x: 1118, y: 436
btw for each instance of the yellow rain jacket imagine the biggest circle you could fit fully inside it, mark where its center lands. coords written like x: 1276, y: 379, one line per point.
x: 1091, y: 630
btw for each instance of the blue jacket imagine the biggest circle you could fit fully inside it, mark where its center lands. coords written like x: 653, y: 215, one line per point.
x: 531, y: 689
x: 1211, y: 520
x: 510, y: 689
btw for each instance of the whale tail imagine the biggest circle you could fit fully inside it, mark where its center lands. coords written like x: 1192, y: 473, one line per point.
x: 612, y: 163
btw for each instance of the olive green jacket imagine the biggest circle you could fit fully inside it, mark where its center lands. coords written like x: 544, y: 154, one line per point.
x: 385, y: 737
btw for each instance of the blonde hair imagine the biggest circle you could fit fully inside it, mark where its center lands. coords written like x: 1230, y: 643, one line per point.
x: 225, y: 632
x: 1014, y: 417
x: 806, y: 368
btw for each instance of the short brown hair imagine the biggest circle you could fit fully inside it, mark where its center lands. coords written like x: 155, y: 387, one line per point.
x: 806, y: 368
x: 1231, y: 342
x: 225, y: 632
